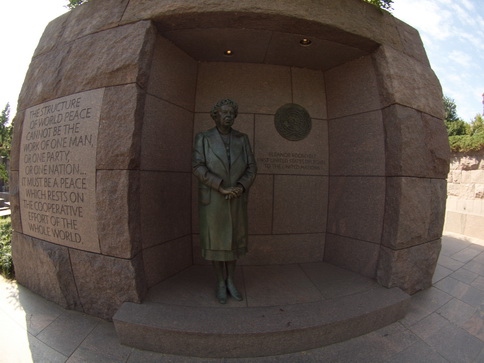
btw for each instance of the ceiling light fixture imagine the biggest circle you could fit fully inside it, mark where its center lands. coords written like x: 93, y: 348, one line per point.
x: 228, y: 53
x: 305, y: 42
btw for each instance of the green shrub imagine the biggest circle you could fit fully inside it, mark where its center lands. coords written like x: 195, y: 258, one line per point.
x: 6, y: 264
x: 466, y: 143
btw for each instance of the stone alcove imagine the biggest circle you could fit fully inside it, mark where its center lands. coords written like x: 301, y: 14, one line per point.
x: 374, y: 204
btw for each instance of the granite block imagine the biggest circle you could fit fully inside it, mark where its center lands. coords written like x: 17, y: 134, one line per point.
x: 309, y: 91
x: 173, y: 75
x: 352, y: 88
x: 257, y: 88
x: 406, y: 81
x: 260, y: 207
x: 351, y: 254
x: 165, y: 207
x: 167, y: 259
x: 119, y: 279
x: 300, y: 204
x: 411, y: 269
x: 98, y: 16
x: 416, y: 143
x: 119, y: 137
x: 352, y: 154
x: 414, y: 211
x: 45, y: 268
x: 356, y: 207
x: 119, y: 233
x: 166, y: 137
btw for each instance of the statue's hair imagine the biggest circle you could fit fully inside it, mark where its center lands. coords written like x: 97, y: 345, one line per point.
x: 221, y: 103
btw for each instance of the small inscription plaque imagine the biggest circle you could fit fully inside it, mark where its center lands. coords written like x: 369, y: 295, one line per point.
x: 292, y: 122
x: 58, y: 170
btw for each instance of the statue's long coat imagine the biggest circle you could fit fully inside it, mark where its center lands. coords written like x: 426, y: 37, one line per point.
x: 223, y: 222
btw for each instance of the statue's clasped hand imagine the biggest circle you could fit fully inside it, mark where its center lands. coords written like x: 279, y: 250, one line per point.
x: 231, y: 193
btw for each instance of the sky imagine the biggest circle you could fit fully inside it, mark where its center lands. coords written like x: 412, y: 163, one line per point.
x: 452, y: 32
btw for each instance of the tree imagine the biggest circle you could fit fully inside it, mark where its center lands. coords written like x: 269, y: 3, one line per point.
x: 477, y: 125
x: 5, y: 142
x: 75, y: 3
x: 454, y: 124
x: 382, y: 4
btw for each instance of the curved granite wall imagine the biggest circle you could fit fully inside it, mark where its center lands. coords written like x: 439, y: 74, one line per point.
x: 103, y: 201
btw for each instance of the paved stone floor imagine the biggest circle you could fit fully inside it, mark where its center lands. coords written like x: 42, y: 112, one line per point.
x: 445, y: 324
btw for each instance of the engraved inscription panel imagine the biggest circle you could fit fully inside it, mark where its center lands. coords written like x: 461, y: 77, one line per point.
x: 58, y: 170
x: 278, y: 155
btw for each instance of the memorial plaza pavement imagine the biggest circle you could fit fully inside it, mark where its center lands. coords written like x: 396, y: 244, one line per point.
x: 444, y: 324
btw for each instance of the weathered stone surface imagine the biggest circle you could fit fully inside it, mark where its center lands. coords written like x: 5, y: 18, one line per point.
x: 45, y: 268
x: 352, y: 154
x: 324, y: 19
x: 352, y: 254
x: 44, y: 74
x: 352, y: 88
x: 309, y: 90
x: 15, y: 201
x: 437, y: 142
x: 257, y: 88
x: 356, y: 207
x: 414, y: 211
x: 52, y: 35
x: 165, y: 206
x: 410, y: 269
x: 261, y: 202
x: 118, y: 216
x: 408, y: 82
x: 166, y: 137
x: 86, y: 69
x: 300, y: 204
x: 119, y: 280
x: 99, y: 15
x: 467, y: 161
x: 119, y: 138
x: 173, y: 75
x: 416, y: 143
x: 167, y: 259
x: 18, y: 122
x: 411, y: 42
x: 78, y: 66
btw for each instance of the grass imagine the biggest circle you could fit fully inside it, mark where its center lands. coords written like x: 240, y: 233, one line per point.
x: 6, y: 264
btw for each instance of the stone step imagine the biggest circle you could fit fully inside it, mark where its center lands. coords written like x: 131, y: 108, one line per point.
x: 250, y: 331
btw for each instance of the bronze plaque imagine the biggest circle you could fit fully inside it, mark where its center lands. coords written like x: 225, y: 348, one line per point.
x: 292, y: 122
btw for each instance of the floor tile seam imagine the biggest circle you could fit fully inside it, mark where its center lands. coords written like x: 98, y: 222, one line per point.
x: 311, y: 282
x: 463, y: 268
x: 438, y: 331
x: 419, y: 340
x: 64, y: 312
x: 83, y: 340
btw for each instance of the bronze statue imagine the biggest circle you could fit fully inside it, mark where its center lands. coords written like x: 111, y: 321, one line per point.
x: 225, y: 167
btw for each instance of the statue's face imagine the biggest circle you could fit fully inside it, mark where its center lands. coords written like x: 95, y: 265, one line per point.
x: 226, y: 117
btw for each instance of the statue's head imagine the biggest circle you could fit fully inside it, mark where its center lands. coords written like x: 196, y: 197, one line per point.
x: 215, y: 113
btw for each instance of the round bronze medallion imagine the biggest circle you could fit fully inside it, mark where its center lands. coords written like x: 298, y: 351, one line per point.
x: 292, y: 122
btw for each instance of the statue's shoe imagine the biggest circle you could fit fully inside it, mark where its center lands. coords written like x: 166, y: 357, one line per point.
x: 234, y: 292
x: 221, y: 293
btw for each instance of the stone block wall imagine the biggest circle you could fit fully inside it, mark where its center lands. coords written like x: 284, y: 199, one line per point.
x: 465, y: 195
x: 288, y: 203
x: 372, y: 200
x: 76, y: 55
